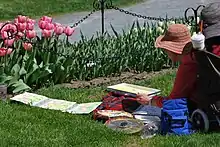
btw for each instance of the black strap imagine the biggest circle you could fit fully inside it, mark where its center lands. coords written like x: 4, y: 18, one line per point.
x: 213, y: 66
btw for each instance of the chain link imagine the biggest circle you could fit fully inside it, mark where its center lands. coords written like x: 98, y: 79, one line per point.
x: 83, y: 19
x: 142, y: 16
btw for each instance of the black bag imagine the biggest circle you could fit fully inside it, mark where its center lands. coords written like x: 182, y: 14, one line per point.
x: 208, y: 77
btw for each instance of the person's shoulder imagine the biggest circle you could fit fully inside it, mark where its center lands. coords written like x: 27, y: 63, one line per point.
x: 189, y: 59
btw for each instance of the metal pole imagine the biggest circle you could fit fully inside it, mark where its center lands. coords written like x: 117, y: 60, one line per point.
x: 193, y: 18
x: 102, y: 2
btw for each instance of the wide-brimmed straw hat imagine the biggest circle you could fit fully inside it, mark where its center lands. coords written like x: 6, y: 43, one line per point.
x: 211, y: 19
x: 175, y: 38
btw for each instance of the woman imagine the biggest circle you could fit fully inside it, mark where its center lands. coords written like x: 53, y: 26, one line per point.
x: 177, y: 44
x: 209, y: 66
x: 210, y: 17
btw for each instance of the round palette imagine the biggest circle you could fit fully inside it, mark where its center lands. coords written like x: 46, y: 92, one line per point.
x: 125, y: 125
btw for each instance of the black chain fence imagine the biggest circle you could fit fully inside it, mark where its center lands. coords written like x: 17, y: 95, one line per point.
x: 110, y: 6
x: 142, y: 16
x: 83, y: 19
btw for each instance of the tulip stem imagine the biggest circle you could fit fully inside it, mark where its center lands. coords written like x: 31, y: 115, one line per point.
x: 67, y: 40
x: 1, y: 61
x: 5, y: 58
x: 56, y: 43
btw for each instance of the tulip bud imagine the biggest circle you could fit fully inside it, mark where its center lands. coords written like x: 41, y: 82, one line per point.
x: 59, y: 30
x: 30, y: 26
x: 31, y: 34
x: 22, y: 19
x: 9, y: 42
x: 69, y: 31
x: 5, y: 51
x: 46, y: 33
x: 27, y: 46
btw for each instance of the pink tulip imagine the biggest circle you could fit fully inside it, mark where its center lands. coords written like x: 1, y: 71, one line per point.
x: 19, y: 35
x: 30, y: 26
x: 5, y: 35
x: 69, y: 31
x: 57, y: 24
x: 6, y: 27
x: 49, y: 26
x: 31, y: 21
x: 5, y: 51
x: 46, y: 33
x: 22, y: 26
x: 16, y: 20
x: 42, y: 24
x: 47, y: 19
x: 7, y: 31
x: 58, y: 30
x: 1, y: 24
x: 12, y: 28
x: 27, y: 46
x: 4, y: 31
x: 22, y: 19
x: 9, y: 28
x: 31, y: 34
x: 9, y: 42
x: 16, y: 24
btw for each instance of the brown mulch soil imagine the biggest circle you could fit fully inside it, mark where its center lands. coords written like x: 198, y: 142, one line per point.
x: 126, y: 77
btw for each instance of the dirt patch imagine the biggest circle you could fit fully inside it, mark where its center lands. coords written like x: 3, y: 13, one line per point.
x: 127, y: 77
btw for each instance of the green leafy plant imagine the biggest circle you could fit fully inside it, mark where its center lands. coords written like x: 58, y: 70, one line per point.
x: 51, y: 60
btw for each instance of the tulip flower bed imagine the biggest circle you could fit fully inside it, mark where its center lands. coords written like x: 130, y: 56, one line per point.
x: 24, y: 60
x: 28, y: 61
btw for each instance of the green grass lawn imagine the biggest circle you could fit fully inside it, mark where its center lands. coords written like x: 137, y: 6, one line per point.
x: 34, y: 8
x: 26, y: 126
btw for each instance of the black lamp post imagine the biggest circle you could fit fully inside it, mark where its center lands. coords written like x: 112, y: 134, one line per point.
x: 192, y: 20
x: 102, y: 5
